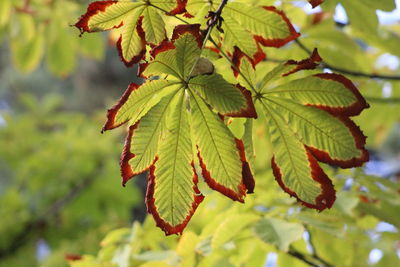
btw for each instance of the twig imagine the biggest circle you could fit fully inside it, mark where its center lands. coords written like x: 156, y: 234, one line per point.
x: 292, y: 252
x: 314, y: 250
x: 214, y: 18
x: 349, y: 72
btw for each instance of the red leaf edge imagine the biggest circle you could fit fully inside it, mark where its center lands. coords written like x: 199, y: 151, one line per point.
x: 127, y: 172
x: 249, y: 111
x: 193, y: 29
x: 179, y: 9
x: 152, y: 209
x: 93, y: 9
x: 278, y: 42
x: 328, y: 194
x: 238, y: 55
x: 219, y: 187
x: 166, y: 45
x: 247, y: 176
x: 359, y: 139
x: 142, y: 53
x: 305, y: 64
x: 352, y: 110
x: 237, y: 58
x: 112, y: 112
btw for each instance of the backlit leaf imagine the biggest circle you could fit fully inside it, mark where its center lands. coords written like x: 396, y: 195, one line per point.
x: 172, y: 195
x: 278, y: 232
x: 308, y: 121
x: 219, y: 158
x: 162, y: 138
x: 141, y: 22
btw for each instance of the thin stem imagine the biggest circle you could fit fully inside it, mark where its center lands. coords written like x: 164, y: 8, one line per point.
x: 209, y: 38
x: 214, y: 18
x: 349, y: 72
x: 301, y: 257
x: 314, y: 249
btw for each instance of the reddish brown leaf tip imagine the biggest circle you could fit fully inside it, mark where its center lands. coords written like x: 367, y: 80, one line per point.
x: 238, y: 56
x: 179, y: 9
x: 152, y: 209
x: 328, y: 193
x: 112, y: 112
x: 193, y: 29
x: 359, y: 139
x: 306, y: 64
x: 142, y: 53
x: 278, y: 42
x: 93, y: 9
x: 351, y: 110
x: 315, y: 3
x: 179, y: 30
x: 213, y: 184
x: 249, y: 111
x: 248, y: 179
x: 162, y: 47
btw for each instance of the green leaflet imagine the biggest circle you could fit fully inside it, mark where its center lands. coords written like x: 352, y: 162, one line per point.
x: 153, y: 25
x: 173, y: 178
x: 270, y: 26
x: 137, y: 101
x: 114, y: 15
x: 217, y: 151
x: 245, y: 26
x: 235, y: 35
x: 278, y: 232
x: 316, y: 128
x: 308, y: 120
x: 220, y: 94
x: 141, y: 23
x: 161, y: 137
x: 142, y: 143
x: 291, y: 158
x: 177, y: 62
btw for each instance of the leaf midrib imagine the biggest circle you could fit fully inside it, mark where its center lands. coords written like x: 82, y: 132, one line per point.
x: 152, y: 135
x: 106, y: 21
x: 285, y: 142
x: 144, y: 104
x: 174, y: 168
x: 256, y: 19
x: 310, y: 123
x: 212, y: 138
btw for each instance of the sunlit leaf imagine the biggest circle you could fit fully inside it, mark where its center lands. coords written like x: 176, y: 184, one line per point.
x: 140, y: 22
x: 168, y: 117
x: 308, y: 121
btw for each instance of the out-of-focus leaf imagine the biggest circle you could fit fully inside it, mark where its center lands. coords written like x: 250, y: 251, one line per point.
x: 278, y: 232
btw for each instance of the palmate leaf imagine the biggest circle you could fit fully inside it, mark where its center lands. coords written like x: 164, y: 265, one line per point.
x: 247, y: 27
x: 169, y: 118
x: 141, y: 23
x: 308, y: 121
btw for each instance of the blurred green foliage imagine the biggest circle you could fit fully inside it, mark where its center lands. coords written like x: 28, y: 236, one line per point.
x: 59, y: 183
x: 38, y: 30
